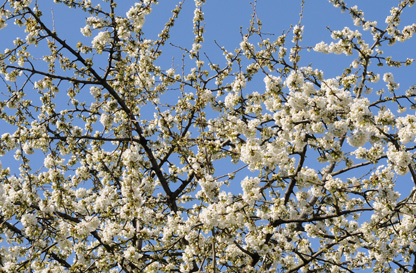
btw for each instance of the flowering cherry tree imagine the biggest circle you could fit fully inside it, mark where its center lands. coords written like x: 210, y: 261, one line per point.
x: 115, y: 161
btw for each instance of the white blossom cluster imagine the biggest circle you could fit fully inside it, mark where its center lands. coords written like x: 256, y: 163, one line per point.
x: 399, y: 159
x: 101, y: 40
x: 136, y: 15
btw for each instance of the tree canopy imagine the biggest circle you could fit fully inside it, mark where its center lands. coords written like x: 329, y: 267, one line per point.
x: 126, y: 152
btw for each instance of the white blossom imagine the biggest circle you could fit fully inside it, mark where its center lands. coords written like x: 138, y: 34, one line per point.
x: 358, y: 138
x: 106, y: 120
x: 29, y: 220
x: 101, y: 40
x: 239, y: 82
x: 400, y: 160
x: 86, y: 31
x: 251, y: 189
x: 137, y: 16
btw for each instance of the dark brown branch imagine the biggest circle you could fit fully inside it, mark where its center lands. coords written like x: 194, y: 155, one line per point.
x: 52, y: 76
x: 292, y: 183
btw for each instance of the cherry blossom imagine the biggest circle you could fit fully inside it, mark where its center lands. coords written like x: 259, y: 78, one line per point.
x: 256, y: 159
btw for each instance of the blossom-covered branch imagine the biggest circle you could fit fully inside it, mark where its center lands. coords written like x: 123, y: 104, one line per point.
x: 117, y: 157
